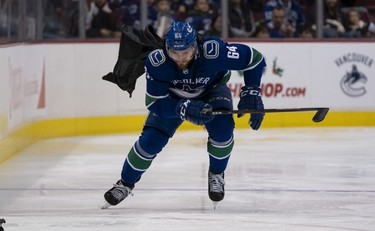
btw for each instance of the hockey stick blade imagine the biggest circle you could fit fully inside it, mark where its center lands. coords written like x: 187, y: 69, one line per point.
x: 319, y: 116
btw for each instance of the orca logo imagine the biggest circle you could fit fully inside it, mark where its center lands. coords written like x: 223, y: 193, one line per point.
x: 353, y: 83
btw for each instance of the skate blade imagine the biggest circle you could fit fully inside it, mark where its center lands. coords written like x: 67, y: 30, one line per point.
x: 215, y: 204
x: 106, y: 205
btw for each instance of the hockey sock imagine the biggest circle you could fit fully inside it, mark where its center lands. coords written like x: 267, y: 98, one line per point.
x: 219, y: 153
x: 135, y: 165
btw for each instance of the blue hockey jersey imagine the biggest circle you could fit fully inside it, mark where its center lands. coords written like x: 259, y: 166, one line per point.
x: 167, y: 84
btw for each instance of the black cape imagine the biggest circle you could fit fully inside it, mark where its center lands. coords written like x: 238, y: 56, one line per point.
x: 135, y: 45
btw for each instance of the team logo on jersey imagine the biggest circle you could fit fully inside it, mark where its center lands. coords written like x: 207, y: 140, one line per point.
x: 211, y: 49
x: 353, y: 82
x: 157, y: 57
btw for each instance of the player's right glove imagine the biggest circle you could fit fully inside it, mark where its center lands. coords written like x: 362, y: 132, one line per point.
x: 251, y: 98
x: 193, y: 111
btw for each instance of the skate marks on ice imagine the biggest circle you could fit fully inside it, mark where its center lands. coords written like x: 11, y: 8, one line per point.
x: 277, y: 179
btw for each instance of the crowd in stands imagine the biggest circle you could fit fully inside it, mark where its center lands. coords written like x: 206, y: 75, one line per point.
x: 246, y: 18
x: 252, y: 18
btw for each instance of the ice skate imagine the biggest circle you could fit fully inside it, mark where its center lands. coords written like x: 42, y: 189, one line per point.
x: 117, y: 194
x: 2, y: 221
x: 216, y: 189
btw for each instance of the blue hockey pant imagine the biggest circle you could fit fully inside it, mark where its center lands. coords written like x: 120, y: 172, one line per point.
x: 157, y: 131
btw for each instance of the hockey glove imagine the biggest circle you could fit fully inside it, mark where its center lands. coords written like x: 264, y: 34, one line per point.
x: 192, y: 111
x: 251, y: 98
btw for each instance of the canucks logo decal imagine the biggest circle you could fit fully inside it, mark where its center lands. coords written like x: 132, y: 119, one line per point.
x: 353, y: 82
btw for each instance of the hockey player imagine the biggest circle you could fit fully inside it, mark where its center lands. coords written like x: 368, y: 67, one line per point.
x: 185, y: 80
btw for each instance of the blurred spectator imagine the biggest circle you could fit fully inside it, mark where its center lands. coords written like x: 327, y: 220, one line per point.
x: 180, y: 12
x: 183, y: 7
x: 293, y: 13
x: 355, y: 27
x: 241, y: 19
x: 256, y: 5
x: 261, y: 31
x: 8, y: 20
x: 71, y: 18
x: 306, y: 32
x: 332, y: 19
x: 189, y: 4
x: 201, y: 16
x: 131, y: 13
x: 54, y: 25
x: 100, y: 22
x: 280, y: 27
x: 163, y: 17
x: 215, y: 6
x: 348, y: 3
x: 117, y: 10
x: 216, y: 27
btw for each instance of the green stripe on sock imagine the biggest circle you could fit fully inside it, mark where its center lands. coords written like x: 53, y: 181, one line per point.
x: 137, y: 162
x: 219, y: 152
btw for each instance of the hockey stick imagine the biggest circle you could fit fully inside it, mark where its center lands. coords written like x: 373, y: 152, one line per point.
x: 319, y: 116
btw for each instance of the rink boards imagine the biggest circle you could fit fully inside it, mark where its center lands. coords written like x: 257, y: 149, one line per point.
x: 53, y: 90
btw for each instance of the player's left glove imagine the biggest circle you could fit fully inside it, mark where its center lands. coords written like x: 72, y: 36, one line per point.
x: 251, y: 98
x: 194, y: 111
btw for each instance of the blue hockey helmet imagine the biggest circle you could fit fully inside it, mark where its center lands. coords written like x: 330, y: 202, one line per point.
x: 180, y: 36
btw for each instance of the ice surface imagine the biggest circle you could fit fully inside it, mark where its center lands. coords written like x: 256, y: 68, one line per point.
x: 277, y: 179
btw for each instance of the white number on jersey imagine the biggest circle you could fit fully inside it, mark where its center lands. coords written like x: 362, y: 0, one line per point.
x: 232, y: 53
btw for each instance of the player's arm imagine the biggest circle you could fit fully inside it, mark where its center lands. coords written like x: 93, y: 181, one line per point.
x: 254, y: 69
x: 238, y: 57
x: 251, y: 62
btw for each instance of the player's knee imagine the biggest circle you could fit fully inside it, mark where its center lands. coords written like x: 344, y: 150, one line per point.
x: 221, y: 128
x: 153, y: 140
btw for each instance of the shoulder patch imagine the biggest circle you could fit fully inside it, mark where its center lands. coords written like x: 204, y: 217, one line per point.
x: 211, y: 49
x: 157, y: 57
